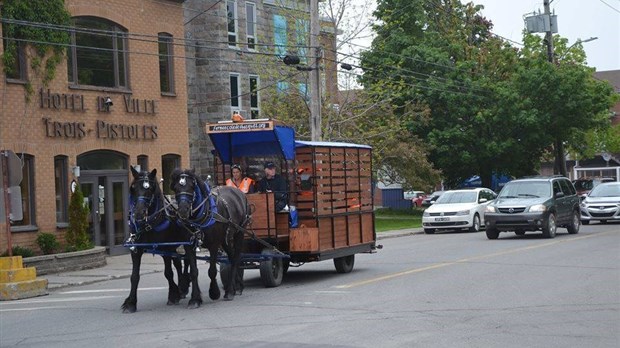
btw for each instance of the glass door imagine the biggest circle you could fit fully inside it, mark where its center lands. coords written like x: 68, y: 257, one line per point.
x: 106, y: 196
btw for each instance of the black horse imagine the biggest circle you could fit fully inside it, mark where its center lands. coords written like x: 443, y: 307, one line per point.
x: 151, y: 227
x: 219, y: 215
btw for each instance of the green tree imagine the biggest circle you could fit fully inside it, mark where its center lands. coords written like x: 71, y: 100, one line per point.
x: 77, y: 237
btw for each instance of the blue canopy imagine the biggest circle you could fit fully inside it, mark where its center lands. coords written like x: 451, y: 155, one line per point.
x: 277, y: 141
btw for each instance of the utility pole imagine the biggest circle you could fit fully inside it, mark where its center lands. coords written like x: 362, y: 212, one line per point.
x: 315, y: 73
x: 560, y: 160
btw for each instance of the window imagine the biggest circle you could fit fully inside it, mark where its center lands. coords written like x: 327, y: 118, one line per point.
x: 282, y: 87
x: 302, y: 31
x: 27, y: 191
x: 98, y: 55
x: 254, y: 86
x: 231, y: 9
x: 143, y: 162
x: 169, y: 163
x: 166, y: 70
x: 62, y: 192
x: 16, y: 70
x: 235, y: 98
x: 250, y: 12
x: 279, y: 35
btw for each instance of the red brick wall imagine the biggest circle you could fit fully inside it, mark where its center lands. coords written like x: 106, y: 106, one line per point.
x: 22, y: 128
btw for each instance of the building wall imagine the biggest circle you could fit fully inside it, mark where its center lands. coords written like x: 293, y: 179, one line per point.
x: 211, y: 60
x: 23, y: 127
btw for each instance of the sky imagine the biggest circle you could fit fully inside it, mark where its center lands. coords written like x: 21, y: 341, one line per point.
x: 577, y: 19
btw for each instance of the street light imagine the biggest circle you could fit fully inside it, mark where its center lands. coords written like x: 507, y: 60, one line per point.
x: 579, y: 41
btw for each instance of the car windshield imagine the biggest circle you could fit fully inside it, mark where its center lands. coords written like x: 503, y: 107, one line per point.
x: 524, y: 189
x: 607, y: 190
x: 457, y: 197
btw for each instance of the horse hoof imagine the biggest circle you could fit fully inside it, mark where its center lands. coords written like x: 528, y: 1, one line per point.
x: 193, y: 304
x: 214, y: 294
x: 172, y: 303
x: 128, y: 308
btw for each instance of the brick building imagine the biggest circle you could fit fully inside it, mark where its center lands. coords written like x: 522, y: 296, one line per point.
x: 118, y: 100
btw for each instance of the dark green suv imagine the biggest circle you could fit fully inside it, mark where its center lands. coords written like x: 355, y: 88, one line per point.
x: 533, y: 204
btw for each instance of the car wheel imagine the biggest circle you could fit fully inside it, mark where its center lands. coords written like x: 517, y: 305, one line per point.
x: 549, y: 230
x: 585, y: 222
x: 492, y: 233
x: 520, y: 232
x: 573, y: 228
x: 476, y: 224
x: 429, y: 231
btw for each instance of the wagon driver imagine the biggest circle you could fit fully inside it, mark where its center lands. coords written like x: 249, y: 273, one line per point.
x: 245, y: 184
x: 275, y: 183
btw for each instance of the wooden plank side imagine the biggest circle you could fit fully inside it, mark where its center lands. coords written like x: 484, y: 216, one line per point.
x: 304, y: 239
x: 355, y: 229
x: 340, y: 232
x: 367, y: 227
x: 263, y: 214
x: 325, y: 234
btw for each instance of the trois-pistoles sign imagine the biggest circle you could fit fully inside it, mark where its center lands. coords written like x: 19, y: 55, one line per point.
x: 101, y: 128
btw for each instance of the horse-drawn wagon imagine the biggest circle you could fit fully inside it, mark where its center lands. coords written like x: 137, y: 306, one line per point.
x: 330, y: 207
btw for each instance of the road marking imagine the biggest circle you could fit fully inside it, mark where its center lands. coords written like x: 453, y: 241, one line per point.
x: 27, y: 309
x: 109, y: 290
x: 469, y: 259
x: 54, y: 300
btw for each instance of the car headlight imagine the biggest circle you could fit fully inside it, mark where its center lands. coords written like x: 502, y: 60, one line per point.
x: 490, y: 209
x: 426, y: 213
x: 538, y: 208
x: 463, y: 212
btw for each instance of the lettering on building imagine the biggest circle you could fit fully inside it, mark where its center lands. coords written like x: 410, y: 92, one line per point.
x: 140, y: 106
x: 58, y: 101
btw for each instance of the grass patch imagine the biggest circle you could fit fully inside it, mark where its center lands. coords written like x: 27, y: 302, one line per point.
x: 397, y: 219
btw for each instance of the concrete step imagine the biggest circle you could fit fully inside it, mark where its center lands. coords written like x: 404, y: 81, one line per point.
x: 17, y: 282
x: 24, y: 289
x: 17, y: 275
x: 11, y: 262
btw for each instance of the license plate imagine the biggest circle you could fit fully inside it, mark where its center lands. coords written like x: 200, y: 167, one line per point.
x: 442, y: 219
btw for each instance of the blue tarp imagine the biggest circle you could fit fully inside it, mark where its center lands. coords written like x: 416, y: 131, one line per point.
x: 279, y: 141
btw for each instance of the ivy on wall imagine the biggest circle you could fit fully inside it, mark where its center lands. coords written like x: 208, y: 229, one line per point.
x: 30, y: 24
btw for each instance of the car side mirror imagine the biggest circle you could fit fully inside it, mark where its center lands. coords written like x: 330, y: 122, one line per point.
x: 482, y: 200
x: 559, y: 194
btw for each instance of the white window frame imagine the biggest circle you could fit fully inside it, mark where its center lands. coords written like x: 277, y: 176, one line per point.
x: 250, y: 23
x: 238, y: 96
x: 252, y: 107
x: 232, y: 4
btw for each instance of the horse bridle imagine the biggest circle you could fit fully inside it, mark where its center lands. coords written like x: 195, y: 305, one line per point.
x: 146, y: 183
x: 186, y: 196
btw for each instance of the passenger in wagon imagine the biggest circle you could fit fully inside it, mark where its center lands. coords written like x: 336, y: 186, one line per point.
x: 245, y: 184
x: 275, y: 183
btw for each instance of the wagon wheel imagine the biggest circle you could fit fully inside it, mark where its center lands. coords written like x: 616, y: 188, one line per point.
x: 225, y: 269
x: 271, y: 269
x: 344, y: 264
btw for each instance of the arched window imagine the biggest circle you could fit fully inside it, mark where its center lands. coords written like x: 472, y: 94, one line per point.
x: 27, y: 188
x: 102, y: 160
x: 98, y: 53
x: 169, y: 163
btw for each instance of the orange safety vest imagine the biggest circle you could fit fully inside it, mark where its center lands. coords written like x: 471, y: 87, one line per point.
x: 245, y: 184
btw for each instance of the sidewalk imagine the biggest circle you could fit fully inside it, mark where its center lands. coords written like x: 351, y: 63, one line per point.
x: 119, y: 267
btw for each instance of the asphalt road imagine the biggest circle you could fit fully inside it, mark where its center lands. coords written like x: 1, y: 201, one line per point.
x: 442, y: 290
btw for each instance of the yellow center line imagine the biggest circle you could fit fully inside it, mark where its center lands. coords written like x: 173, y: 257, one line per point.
x: 469, y: 259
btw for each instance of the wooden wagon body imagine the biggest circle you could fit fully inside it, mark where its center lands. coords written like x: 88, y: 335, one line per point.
x: 329, y: 187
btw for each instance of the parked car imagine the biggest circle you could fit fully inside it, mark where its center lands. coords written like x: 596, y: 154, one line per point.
x: 532, y: 204
x: 458, y: 209
x: 430, y: 199
x: 602, y: 204
x: 586, y: 184
x: 416, y: 197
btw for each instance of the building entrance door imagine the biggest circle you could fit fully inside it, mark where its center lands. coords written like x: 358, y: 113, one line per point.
x: 105, y: 192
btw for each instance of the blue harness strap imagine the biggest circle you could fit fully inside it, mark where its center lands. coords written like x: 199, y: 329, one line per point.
x: 204, y: 216
x: 156, y: 221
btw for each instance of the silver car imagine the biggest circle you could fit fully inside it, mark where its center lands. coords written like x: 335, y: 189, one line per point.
x: 602, y: 204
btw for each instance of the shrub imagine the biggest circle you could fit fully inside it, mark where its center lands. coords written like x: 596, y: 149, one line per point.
x: 77, y: 233
x: 20, y: 251
x: 48, y: 243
